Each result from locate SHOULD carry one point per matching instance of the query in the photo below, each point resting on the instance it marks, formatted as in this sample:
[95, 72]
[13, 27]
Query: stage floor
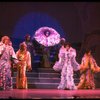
[49, 94]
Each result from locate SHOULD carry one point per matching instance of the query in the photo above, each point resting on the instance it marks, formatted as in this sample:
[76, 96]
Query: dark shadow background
[75, 18]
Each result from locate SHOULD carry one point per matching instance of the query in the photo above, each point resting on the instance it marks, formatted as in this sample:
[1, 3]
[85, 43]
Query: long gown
[70, 65]
[87, 70]
[5, 66]
[24, 65]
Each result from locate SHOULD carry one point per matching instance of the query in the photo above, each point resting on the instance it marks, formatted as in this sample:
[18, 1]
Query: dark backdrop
[75, 18]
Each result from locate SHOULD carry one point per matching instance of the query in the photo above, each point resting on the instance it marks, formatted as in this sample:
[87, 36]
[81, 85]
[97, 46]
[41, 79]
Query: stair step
[41, 85]
[44, 80]
[45, 70]
[32, 74]
[41, 80]
[43, 74]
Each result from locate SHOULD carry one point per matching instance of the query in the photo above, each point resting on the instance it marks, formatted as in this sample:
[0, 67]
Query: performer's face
[67, 47]
[28, 38]
[89, 53]
[6, 41]
[23, 48]
[47, 33]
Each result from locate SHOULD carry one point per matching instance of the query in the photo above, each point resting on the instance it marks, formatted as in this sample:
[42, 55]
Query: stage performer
[7, 54]
[24, 65]
[87, 69]
[70, 65]
[30, 47]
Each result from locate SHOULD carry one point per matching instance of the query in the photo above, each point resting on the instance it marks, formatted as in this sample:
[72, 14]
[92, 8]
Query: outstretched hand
[30, 69]
[98, 69]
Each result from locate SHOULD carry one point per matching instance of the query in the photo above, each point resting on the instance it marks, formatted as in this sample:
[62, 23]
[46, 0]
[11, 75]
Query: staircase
[44, 78]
